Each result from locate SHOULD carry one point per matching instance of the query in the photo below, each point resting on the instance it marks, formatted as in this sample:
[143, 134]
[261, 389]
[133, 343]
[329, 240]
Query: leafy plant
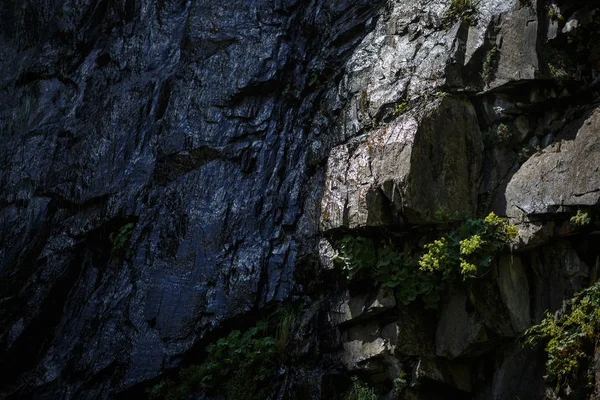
[121, 238]
[569, 337]
[497, 134]
[445, 216]
[468, 251]
[289, 90]
[360, 391]
[359, 257]
[558, 72]
[363, 104]
[465, 10]
[286, 317]
[315, 79]
[489, 65]
[554, 13]
[582, 218]
[239, 366]
[401, 381]
[400, 108]
[355, 255]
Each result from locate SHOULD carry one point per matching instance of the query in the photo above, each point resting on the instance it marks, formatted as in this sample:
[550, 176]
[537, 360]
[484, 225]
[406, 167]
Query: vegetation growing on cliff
[360, 257]
[468, 251]
[490, 64]
[465, 252]
[240, 366]
[121, 238]
[569, 337]
[497, 134]
[464, 10]
[582, 218]
[360, 391]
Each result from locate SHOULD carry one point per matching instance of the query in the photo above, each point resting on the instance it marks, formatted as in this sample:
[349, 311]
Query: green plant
[286, 317]
[554, 13]
[582, 218]
[359, 257]
[465, 10]
[489, 65]
[121, 238]
[526, 152]
[400, 108]
[497, 134]
[239, 366]
[468, 251]
[558, 72]
[314, 79]
[569, 337]
[360, 391]
[289, 90]
[401, 382]
[363, 104]
[355, 255]
[445, 216]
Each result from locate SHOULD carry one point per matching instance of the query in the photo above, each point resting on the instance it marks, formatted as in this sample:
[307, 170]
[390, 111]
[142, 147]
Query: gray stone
[514, 288]
[360, 307]
[326, 254]
[424, 161]
[449, 373]
[458, 331]
[546, 140]
[208, 125]
[517, 46]
[534, 142]
[559, 274]
[367, 345]
[190, 119]
[520, 375]
[487, 304]
[416, 332]
[565, 173]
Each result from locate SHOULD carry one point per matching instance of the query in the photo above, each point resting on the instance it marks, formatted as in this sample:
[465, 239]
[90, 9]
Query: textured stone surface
[517, 47]
[223, 135]
[564, 174]
[458, 331]
[423, 161]
[354, 308]
[452, 374]
[514, 288]
[368, 343]
[192, 120]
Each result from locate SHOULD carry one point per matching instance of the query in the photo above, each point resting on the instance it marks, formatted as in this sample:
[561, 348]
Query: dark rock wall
[190, 119]
[222, 140]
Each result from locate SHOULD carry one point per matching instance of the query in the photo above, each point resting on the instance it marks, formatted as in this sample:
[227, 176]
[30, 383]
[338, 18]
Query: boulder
[516, 44]
[368, 346]
[514, 289]
[559, 273]
[426, 160]
[454, 374]
[359, 307]
[459, 332]
[567, 173]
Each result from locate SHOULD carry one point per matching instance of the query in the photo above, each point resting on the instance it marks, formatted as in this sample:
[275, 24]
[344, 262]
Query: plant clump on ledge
[569, 338]
[462, 254]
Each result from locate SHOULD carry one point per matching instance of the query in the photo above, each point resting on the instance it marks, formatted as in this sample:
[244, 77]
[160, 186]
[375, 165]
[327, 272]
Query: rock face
[194, 122]
[425, 160]
[172, 169]
[566, 173]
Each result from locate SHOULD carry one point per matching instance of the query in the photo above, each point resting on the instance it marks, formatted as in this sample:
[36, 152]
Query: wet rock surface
[172, 170]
